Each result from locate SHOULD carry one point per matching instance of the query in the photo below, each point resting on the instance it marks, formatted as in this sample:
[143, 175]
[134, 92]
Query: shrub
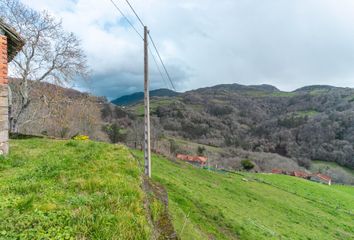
[201, 150]
[192, 130]
[115, 133]
[247, 164]
[217, 110]
[173, 146]
[304, 162]
[81, 138]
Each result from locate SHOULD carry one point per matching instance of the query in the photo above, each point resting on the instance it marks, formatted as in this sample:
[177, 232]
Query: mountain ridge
[136, 97]
[139, 96]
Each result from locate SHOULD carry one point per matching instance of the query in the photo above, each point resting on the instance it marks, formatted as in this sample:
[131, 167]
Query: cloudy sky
[286, 43]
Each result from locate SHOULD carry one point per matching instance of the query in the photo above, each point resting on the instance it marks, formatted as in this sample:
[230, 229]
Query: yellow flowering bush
[81, 138]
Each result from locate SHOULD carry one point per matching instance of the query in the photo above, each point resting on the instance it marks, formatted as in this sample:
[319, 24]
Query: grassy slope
[192, 145]
[92, 190]
[254, 206]
[138, 109]
[70, 190]
[318, 165]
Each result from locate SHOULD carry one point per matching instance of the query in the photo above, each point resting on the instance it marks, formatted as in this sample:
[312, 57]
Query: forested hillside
[271, 128]
[139, 96]
[311, 123]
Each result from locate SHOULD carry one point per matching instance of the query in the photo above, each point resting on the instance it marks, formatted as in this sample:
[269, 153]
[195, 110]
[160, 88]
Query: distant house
[318, 177]
[200, 160]
[10, 44]
[277, 171]
[321, 178]
[301, 174]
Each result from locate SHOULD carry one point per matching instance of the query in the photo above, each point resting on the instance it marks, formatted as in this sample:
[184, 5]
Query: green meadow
[86, 190]
[213, 205]
[71, 190]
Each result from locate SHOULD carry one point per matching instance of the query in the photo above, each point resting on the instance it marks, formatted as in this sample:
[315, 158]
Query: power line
[158, 68]
[130, 23]
[147, 146]
[131, 7]
[163, 64]
[153, 43]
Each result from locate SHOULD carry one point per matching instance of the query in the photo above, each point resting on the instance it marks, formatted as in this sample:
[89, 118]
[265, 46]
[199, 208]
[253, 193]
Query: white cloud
[285, 43]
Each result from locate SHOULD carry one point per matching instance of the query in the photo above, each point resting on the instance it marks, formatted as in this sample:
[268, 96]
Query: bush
[192, 130]
[304, 162]
[115, 133]
[217, 110]
[201, 150]
[81, 138]
[173, 146]
[247, 164]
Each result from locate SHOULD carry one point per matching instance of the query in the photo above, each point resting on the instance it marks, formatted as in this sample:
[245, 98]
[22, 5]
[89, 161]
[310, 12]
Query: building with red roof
[193, 159]
[321, 178]
[301, 174]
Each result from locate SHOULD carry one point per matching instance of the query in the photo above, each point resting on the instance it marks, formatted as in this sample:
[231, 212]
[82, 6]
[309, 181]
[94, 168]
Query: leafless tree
[50, 54]
[136, 137]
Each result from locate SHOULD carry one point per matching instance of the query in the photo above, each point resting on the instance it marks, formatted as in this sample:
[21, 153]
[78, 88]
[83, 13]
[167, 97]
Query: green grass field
[85, 190]
[138, 109]
[71, 190]
[253, 206]
[322, 165]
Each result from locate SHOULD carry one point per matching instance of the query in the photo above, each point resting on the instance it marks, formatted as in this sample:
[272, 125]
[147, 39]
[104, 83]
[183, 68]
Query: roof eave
[15, 41]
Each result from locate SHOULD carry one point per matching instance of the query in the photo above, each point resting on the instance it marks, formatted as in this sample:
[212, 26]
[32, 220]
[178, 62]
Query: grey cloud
[114, 84]
[285, 43]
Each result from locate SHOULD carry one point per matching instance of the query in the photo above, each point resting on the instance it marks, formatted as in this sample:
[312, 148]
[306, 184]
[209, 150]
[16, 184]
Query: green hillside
[253, 206]
[86, 190]
[71, 190]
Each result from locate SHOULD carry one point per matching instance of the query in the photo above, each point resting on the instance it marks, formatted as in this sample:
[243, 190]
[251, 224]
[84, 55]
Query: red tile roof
[277, 171]
[189, 158]
[324, 177]
[301, 174]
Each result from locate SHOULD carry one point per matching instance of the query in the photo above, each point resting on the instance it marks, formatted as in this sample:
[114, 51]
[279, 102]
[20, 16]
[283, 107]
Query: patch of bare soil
[160, 219]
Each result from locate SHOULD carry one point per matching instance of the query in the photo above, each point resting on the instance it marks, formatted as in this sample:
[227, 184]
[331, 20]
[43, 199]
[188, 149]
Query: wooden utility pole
[147, 149]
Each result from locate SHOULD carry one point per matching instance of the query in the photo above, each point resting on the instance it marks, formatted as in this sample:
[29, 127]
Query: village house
[200, 160]
[277, 171]
[321, 178]
[317, 177]
[10, 44]
[301, 174]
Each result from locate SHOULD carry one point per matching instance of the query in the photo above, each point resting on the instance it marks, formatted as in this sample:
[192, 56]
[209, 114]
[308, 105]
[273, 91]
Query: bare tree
[136, 137]
[50, 54]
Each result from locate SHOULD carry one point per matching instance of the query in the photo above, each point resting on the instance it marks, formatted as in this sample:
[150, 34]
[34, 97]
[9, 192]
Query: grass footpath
[71, 190]
[209, 205]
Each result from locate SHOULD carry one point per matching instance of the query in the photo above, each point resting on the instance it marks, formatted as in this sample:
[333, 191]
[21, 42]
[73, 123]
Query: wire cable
[152, 41]
[158, 68]
[130, 23]
[131, 7]
[163, 64]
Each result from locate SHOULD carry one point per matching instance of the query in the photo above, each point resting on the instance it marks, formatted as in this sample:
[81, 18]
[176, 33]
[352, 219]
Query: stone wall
[4, 109]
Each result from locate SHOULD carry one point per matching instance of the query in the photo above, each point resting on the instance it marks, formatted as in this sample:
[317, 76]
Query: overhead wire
[163, 64]
[126, 18]
[152, 41]
[158, 68]
[137, 16]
